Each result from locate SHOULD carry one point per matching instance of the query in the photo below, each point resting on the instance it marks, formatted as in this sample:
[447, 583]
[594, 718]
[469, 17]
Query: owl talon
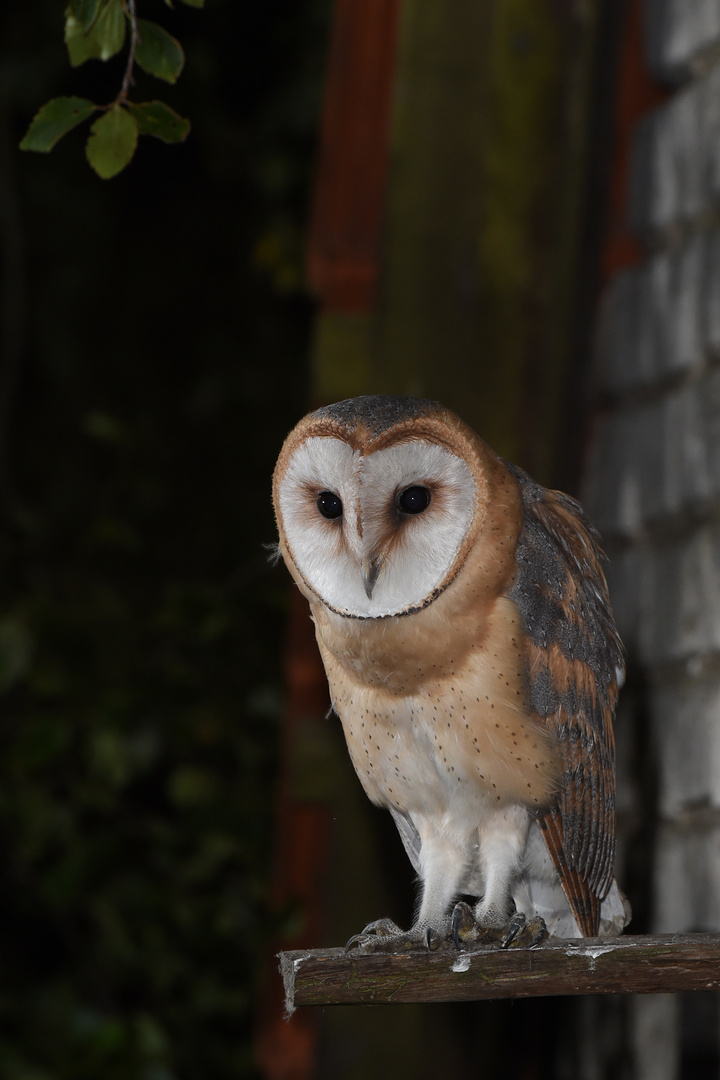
[384, 935]
[379, 930]
[433, 940]
[515, 927]
[463, 928]
[524, 933]
[519, 933]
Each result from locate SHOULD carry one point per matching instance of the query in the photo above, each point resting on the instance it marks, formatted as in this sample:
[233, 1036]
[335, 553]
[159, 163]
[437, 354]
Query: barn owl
[462, 617]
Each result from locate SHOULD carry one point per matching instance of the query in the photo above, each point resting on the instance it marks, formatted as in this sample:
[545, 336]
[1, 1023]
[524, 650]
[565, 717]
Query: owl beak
[370, 572]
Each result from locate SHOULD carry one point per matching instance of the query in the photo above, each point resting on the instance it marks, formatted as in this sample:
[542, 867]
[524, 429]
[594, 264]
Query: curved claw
[536, 931]
[384, 935]
[354, 942]
[463, 928]
[515, 926]
[523, 933]
[433, 940]
[373, 932]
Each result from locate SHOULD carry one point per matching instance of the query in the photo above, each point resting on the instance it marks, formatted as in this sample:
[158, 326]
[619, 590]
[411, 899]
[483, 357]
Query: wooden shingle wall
[653, 486]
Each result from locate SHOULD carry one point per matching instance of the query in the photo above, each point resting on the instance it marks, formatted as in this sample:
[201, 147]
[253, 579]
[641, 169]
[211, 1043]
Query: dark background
[153, 356]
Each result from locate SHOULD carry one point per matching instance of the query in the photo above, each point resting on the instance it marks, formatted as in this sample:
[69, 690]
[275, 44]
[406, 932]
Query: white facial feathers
[404, 557]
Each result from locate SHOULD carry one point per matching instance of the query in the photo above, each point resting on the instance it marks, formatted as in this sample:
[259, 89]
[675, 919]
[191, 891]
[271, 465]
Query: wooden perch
[628, 965]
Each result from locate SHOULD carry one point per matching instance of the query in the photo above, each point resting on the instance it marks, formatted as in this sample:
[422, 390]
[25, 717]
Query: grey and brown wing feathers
[409, 836]
[575, 660]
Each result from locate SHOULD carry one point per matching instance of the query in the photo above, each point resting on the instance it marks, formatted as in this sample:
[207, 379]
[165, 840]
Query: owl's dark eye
[329, 504]
[413, 500]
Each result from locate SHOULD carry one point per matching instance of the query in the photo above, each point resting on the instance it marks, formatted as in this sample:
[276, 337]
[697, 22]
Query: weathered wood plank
[628, 965]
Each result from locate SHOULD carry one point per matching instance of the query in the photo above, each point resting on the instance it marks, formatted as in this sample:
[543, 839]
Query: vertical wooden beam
[343, 255]
[637, 92]
[286, 1051]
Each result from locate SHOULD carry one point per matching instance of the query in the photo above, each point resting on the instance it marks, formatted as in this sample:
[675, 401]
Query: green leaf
[158, 119]
[159, 53]
[84, 11]
[112, 142]
[104, 38]
[54, 120]
[194, 3]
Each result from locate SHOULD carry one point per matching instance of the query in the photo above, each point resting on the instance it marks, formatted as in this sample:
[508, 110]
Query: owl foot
[384, 936]
[518, 933]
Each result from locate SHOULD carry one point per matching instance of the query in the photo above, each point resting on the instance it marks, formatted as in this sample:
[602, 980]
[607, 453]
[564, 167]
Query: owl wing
[575, 663]
[409, 835]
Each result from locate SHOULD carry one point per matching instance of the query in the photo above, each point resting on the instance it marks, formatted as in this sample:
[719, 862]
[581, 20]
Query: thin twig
[128, 80]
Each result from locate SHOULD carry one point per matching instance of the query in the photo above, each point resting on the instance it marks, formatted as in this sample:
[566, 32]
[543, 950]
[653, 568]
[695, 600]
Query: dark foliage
[154, 338]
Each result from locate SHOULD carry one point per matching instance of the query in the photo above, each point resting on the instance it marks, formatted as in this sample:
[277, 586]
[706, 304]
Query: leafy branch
[98, 30]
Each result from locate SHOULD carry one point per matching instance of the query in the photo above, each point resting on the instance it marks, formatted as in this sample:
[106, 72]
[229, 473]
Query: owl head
[378, 500]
